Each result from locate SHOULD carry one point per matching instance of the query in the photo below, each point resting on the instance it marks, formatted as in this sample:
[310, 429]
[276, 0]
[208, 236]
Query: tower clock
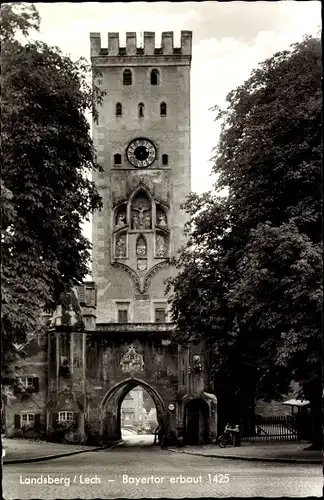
[141, 153]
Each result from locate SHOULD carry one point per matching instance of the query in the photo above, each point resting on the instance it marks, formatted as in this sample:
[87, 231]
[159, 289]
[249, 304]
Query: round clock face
[141, 153]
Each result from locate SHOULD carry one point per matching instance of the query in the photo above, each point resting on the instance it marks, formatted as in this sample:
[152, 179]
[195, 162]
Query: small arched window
[165, 159]
[127, 77]
[119, 109]
[117, 159]
[141, 110]
[155, 77]
[163, 109]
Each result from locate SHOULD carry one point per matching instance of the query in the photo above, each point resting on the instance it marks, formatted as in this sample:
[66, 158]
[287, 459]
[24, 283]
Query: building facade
[132, 409]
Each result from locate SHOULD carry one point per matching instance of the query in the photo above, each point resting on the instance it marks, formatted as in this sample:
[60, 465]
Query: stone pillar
[149, 43]
[167, 42]
[95, 44]
[186, 42]
[131, 43]
[113, 44]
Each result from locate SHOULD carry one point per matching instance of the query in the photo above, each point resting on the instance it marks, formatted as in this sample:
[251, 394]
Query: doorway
[197, 422]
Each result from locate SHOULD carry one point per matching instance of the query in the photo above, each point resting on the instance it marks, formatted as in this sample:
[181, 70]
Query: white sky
[229, 40]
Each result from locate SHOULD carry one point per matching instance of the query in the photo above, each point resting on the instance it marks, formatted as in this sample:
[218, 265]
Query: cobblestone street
[134, 472]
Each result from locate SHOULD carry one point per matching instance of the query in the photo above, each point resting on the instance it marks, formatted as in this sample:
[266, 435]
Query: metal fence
[272, 429]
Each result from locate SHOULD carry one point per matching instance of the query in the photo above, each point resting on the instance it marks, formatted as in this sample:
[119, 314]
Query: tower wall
[166, 186]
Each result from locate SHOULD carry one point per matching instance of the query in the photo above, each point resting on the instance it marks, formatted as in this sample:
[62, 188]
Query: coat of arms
[131, 360]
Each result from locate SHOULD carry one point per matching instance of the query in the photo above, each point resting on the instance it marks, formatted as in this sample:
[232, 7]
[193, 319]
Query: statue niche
[161, 219]
[141, 213]
[121, 218]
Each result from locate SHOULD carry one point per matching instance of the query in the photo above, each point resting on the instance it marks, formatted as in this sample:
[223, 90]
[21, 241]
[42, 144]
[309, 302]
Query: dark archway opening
[196, 422]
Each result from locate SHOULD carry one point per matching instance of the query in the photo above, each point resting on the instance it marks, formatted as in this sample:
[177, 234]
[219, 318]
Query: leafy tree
[250, 277]
[47, 154]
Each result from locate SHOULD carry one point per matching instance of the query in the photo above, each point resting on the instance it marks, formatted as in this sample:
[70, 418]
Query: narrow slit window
[165, 159]
[163, 109]
[155, 77]
[127, 77]
[119, 109]
[117, 159]
[141, 110]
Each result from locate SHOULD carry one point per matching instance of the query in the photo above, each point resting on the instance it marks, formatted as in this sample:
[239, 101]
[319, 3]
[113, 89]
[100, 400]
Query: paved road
[160, 473]
[131, 439]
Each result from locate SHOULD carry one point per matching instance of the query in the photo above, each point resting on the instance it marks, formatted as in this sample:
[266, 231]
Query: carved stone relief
[151, 273]
[141, 213]
[141, 264]
[131, 273]
[141, 247]
[132, 361]
[161, 246]
[120, 250]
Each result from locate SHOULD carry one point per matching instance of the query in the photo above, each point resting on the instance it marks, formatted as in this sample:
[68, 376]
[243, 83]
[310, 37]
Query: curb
[255, 459]
[59, 455]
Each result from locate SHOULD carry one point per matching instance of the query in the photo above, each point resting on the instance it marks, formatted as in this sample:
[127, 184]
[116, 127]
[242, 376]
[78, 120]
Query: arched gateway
[109, 409]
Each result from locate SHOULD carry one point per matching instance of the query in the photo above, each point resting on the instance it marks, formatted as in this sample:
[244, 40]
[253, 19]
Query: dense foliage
[47, 154]
[250, 278]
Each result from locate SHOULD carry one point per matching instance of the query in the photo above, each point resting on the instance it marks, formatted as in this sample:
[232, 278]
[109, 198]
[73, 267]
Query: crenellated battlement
[149, 49]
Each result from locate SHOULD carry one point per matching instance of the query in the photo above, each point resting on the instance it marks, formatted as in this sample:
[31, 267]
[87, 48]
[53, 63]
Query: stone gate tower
[143, 143]
[113, 334]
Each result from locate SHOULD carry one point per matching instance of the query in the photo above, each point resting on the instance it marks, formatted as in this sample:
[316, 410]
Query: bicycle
[224, 440]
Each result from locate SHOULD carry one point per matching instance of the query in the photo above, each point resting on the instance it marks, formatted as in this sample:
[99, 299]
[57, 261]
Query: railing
[272, 429]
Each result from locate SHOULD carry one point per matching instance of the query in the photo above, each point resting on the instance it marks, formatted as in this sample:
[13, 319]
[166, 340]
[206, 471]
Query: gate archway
[109, 410]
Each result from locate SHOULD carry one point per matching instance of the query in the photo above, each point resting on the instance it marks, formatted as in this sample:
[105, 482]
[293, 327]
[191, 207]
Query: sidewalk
[25, 450]
[292, 452]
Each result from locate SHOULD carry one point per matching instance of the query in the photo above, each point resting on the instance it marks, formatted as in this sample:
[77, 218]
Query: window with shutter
[36, 384]
[17, 421]
[37, 423]
[27, 420]
[54, 419]
[76, 418]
